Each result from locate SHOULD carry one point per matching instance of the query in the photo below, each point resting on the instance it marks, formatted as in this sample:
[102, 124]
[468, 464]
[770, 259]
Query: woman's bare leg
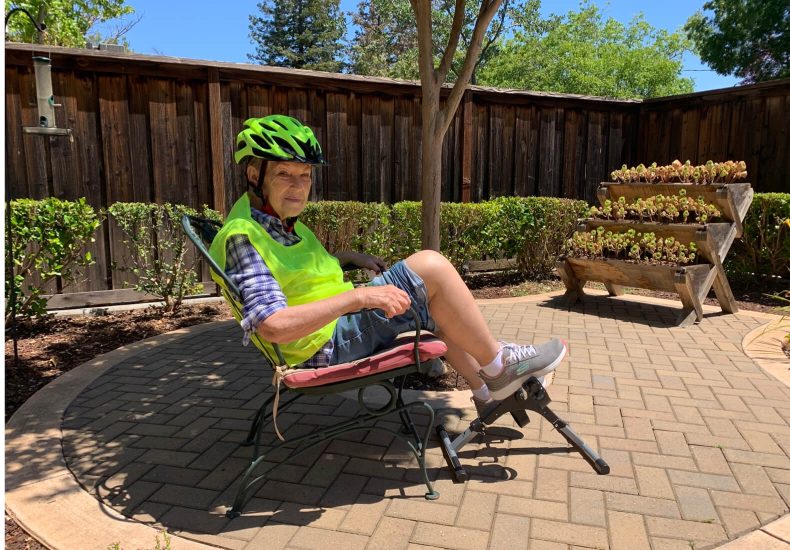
[462, 362]
[455, 312]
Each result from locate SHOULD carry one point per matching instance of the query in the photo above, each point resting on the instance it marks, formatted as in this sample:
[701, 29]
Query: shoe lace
[520, 353]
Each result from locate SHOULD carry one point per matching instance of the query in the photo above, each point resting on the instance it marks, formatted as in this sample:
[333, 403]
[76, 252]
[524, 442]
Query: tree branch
[422, 12]
[452, 44]
[487, 11]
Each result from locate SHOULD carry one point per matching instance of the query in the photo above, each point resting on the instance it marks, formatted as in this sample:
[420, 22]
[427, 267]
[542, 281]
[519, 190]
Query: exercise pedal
[530, 396]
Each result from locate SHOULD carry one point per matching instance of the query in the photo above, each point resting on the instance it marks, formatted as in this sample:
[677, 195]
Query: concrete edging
[42, 495]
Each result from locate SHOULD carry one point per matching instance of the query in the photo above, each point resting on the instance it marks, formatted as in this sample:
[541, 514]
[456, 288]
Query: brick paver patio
[697, 435]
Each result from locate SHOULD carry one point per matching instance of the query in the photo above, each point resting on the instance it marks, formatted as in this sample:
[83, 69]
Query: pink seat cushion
[400, 355]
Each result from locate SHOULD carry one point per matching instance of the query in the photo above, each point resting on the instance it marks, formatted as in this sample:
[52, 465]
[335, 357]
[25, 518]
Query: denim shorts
[363, 333]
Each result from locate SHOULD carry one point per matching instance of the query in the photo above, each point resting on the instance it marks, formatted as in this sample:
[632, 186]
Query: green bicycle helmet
[278, 138]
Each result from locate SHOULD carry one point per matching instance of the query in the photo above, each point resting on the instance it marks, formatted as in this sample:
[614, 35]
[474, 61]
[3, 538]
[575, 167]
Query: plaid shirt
[260, 291]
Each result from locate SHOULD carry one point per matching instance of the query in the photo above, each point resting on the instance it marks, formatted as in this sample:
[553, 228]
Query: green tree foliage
[385, 43]
[583, 53]
[71, 23]
[747, 38]
[303, 34]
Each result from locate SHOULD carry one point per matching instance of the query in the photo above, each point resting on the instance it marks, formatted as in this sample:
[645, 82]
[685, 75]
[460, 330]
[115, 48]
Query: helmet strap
[258, 187]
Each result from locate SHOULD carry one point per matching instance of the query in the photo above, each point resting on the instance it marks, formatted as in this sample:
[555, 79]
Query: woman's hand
[364, 261]
[388, 298]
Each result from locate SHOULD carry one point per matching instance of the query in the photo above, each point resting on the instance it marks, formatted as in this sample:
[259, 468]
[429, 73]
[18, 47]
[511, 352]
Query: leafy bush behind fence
[45, 239]
[157, 249]
[764, 248]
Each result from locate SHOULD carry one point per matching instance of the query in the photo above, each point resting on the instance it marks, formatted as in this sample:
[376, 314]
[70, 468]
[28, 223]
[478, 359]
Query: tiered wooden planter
[691, 282]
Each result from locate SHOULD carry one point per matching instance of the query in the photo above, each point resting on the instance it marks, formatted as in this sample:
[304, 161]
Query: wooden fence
[149, 128]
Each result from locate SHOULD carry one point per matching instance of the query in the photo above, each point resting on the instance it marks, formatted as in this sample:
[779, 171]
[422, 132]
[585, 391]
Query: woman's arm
[361, 260]
[296, 322]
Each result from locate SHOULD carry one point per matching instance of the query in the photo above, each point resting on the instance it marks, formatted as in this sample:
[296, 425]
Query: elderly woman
[293, 290]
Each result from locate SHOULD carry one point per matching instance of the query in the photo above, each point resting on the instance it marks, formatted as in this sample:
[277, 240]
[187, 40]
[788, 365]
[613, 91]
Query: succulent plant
[677, 172]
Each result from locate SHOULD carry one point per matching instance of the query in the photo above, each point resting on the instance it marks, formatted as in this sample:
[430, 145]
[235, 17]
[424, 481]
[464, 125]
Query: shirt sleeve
[261, 294]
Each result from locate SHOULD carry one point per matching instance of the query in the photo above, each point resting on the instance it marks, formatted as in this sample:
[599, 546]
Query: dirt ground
[51, 346]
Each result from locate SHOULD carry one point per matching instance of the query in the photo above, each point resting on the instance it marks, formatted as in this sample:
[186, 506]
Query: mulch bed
[51, 346]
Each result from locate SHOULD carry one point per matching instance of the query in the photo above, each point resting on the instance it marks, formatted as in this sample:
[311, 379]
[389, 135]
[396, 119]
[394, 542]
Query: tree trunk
[431, 174]
[431, 180]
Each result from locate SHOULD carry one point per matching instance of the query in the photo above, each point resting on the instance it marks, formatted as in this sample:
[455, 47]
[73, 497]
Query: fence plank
[317, 121]
[550, 162]
[527, 137]
[89, 183]
[116, 153]
[480, 182]
[596, 150]
[573, 154]
[140, 139]
[386, 143]
[258, 102]
[337, 123]
[202, 149]
[183, 189]
[15, 161]
[689, 140]
[371, 152]
[164, 147]
[218, 161]
[404, 156]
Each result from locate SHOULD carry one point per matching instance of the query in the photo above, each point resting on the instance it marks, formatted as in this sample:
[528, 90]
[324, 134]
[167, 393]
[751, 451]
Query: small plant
[784, 311]
[157, 249]
[658, 209]
[157, 544]
[677, 172]
[47, 242]
[631, 246]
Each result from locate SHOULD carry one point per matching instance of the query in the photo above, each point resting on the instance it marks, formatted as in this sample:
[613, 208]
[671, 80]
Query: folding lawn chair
[388, 369]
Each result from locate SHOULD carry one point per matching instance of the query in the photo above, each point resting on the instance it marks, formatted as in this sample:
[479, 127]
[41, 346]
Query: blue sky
[218, 31]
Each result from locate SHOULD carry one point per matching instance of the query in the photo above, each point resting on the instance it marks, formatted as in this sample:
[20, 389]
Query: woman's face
[286, 186]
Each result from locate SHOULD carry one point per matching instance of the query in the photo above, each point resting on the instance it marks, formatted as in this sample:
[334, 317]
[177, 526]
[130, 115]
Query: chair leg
[260, 418]
[365, 422]
[422, 445]
[407, 425]
[256, 423]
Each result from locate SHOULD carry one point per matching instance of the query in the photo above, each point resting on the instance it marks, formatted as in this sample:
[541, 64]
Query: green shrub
[532, 229]
[47, 240]
[349, 225]
[553, 222]
[764, 248]
[157, 249]
[405, 236]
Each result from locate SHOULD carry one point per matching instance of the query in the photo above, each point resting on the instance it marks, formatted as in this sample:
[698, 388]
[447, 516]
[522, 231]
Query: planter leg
[721, 286]
[692, 307]
[614, 290]
[574, 287]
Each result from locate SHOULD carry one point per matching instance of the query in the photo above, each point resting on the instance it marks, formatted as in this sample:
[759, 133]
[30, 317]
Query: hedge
[49, 238]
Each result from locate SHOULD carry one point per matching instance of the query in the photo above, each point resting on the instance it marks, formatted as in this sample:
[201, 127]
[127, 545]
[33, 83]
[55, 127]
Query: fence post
[466, 169]
[218, 159]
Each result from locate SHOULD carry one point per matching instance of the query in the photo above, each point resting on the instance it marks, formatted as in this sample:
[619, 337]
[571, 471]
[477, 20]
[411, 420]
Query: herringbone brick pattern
[698, 438]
